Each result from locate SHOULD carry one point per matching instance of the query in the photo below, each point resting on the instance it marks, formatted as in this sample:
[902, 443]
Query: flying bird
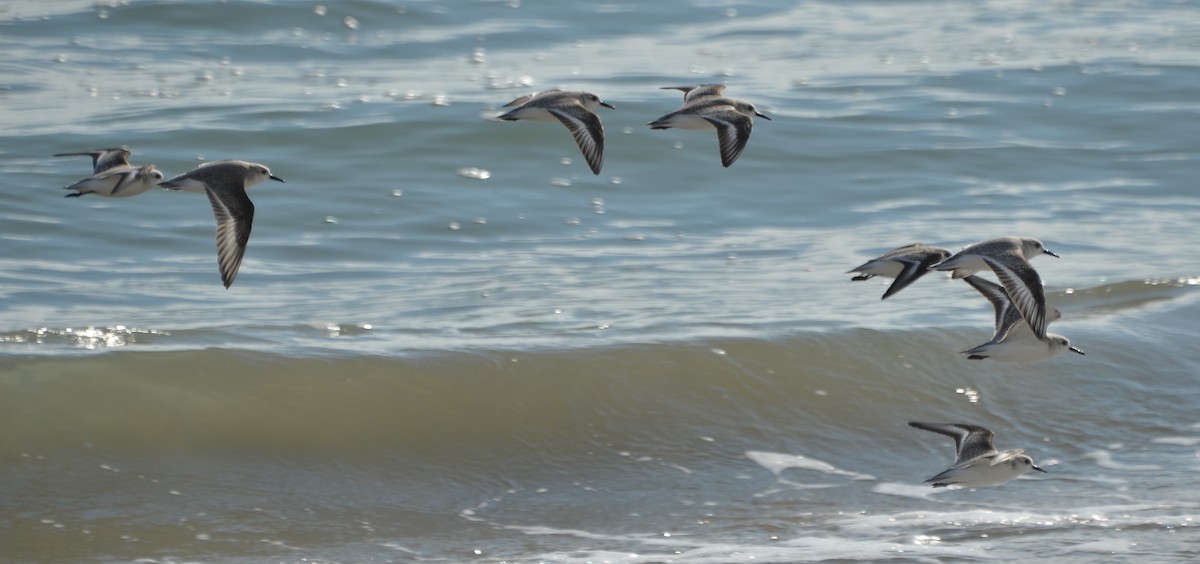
[705, 108]
[906, 264]
[1013, 340]
[117, 182]
[575, 110]
[225, 183]
[976, 462]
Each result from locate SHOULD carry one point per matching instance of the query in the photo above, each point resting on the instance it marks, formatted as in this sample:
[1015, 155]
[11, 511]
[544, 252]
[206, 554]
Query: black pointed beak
[1051, 253]
[607, 105]
[275, 178]
[1040, 470]
[762, 115]
[1077, 351]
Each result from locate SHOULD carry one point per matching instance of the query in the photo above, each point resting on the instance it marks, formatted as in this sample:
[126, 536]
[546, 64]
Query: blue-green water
[662, 362]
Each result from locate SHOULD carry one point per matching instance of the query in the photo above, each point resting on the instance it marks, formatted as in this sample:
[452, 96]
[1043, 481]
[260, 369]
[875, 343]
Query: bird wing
[129, 178]
[733, 132]
[587, 130]
[518, 101]
[970, 441]
[1006, 315]
[1024, 288]
[697, 91]
[915, 266]
[234, 213]
[103, 159]
[1005, 456]
[976, 443]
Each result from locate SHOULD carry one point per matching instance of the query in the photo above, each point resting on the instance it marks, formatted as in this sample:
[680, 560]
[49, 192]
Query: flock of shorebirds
[704, 108]
[1021, 314]
[1019, 301]
[1021, 320]
[225, 183]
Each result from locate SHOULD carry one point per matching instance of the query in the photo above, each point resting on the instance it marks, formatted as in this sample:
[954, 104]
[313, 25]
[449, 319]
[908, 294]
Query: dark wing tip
[731, 139]
[588, 132]
[909, 274]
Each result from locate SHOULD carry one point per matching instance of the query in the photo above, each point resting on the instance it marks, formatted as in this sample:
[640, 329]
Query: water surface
[450, 342]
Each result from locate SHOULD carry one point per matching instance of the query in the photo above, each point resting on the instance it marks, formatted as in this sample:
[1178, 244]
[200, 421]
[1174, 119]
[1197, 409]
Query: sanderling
[976, 462]
[226, 182]
[118, 182]
[1013, 340]
[103, 159]
[704, 108]
[576, 110]
[906, 264]
[969, 259]
[1008, 258]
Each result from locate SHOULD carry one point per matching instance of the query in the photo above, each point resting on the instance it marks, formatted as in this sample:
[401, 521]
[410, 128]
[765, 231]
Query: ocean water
[450, 342]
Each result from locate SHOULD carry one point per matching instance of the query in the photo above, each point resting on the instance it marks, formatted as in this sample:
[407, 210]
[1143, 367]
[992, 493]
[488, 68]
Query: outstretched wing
[1024, 288]
[697, 91]
[733, 132]
[234, 213]
[970, 441]
[585, 127]
[103, 159]
[1005, 313]
[915, 266]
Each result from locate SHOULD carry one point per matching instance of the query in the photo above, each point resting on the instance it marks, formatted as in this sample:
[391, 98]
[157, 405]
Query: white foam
[1104, 459]
[803, 548]
[1177, 441]
[906, 490]
[907, 535]
[777, 462]
[1104, 546]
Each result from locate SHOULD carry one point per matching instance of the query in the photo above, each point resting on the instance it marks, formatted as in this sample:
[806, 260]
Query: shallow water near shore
[449, 341]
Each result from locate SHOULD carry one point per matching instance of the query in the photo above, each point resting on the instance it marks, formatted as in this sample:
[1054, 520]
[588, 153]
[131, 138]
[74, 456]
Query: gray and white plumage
[103, 159]
[705, 108]
[1008, 258]
[117, 182]
[1013, 340]
[905, 264]
[575, 110]
[694, 92]
[969, 259]
[976, 462]
[225, 183]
